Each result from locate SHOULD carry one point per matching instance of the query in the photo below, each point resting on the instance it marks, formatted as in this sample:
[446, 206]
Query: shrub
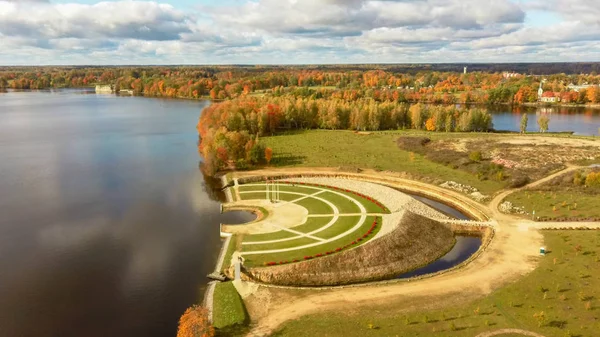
[414, 144]
[194, 323]
[593, 179]
[518, 181]
[475, 156]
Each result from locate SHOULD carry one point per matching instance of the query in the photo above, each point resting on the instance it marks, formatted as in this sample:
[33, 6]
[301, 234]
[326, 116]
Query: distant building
[540, 91]
[465, 70]
[507, 74]
[578, 88]
[550, 97]
[104, 89]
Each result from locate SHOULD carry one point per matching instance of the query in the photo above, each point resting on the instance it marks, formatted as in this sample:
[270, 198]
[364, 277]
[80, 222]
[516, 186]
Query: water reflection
[107, 224]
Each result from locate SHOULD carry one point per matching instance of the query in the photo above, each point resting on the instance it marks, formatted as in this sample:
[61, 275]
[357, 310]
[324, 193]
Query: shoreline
[207, 98]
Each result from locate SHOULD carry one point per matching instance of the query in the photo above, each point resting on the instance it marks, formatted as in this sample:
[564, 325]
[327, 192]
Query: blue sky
[297, 31]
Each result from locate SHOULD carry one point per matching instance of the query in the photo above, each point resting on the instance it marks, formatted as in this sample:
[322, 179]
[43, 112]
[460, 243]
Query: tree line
[230, 131]
[381, 83]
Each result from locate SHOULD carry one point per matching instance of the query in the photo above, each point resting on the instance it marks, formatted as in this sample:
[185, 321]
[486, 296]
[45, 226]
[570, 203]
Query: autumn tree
[418, 114]
[524, 121]
[268, 155]
[194, 323]
[543, 122]
[430, 124]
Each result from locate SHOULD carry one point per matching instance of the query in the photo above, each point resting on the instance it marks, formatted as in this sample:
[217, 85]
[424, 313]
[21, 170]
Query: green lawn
[233, 242]
[343, 224]
[301, 241]
[253, 196]
[564, 287]
[312, 224]
[228, 307]
[268, 236]
[282, 188]
[378, 150]
[315, 206]
[369, 205]
[248, 188]
[561, 204]
[262, 259]
[343, 204]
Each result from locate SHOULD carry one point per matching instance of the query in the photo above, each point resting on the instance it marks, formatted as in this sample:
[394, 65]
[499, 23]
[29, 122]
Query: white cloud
[296, 31]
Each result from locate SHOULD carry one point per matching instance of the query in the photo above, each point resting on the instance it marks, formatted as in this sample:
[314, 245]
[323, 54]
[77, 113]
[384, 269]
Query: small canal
[464, 248]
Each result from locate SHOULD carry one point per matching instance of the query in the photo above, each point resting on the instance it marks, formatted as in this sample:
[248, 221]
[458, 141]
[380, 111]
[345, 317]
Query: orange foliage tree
[194, 323]
[430, 124]
[268, 155]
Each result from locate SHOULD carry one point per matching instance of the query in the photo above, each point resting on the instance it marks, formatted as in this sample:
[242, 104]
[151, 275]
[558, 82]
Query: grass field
[378, 150]
[560, 298]
[561, 204]
[262, 259]
[228, 307]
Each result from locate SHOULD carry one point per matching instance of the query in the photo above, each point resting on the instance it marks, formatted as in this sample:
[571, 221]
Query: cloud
[297, 31]
[336, 18]
[127, 19]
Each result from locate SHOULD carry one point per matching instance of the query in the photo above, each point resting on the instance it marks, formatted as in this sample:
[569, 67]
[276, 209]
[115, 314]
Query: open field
[566, 197]
[557, 205]
[564, 288]
[445, 158]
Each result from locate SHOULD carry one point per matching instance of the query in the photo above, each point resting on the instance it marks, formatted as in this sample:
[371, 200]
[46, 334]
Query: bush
[593, 179]
[475, 156]
[518, 181]
[194, 323]
[414, 144]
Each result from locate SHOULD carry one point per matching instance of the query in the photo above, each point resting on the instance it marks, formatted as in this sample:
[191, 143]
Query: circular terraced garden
[333, 219]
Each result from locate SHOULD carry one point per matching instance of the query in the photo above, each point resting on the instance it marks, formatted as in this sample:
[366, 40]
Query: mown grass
[228, 307]
[343, 224]
[564, 288]
[253, 196]
[233, 243]
[301, 241]
[378, 150]
[268, 236]
[312, 224]
[315, 206]
[282, 188]
[559, 204]
[262, 259]
[369, 205]
[343, 204]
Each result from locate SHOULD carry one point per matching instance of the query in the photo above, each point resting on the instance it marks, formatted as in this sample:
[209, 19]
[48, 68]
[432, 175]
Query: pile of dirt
[416, 242]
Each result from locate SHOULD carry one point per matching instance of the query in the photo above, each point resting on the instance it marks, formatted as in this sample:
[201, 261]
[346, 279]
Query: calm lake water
[106, 226]
[580, 120]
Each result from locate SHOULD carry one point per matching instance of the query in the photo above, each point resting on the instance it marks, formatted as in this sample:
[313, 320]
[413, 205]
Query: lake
[580, 120]
[107, 227]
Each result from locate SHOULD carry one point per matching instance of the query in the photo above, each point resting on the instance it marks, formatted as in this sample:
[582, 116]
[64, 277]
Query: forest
[382, 83]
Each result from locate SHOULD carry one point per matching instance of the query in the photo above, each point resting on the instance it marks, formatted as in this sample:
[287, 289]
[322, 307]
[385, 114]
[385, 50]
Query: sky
[89, 32]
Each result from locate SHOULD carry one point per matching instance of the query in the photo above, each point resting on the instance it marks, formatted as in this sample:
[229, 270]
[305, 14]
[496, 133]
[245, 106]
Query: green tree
[524, 121]
[543, 122]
